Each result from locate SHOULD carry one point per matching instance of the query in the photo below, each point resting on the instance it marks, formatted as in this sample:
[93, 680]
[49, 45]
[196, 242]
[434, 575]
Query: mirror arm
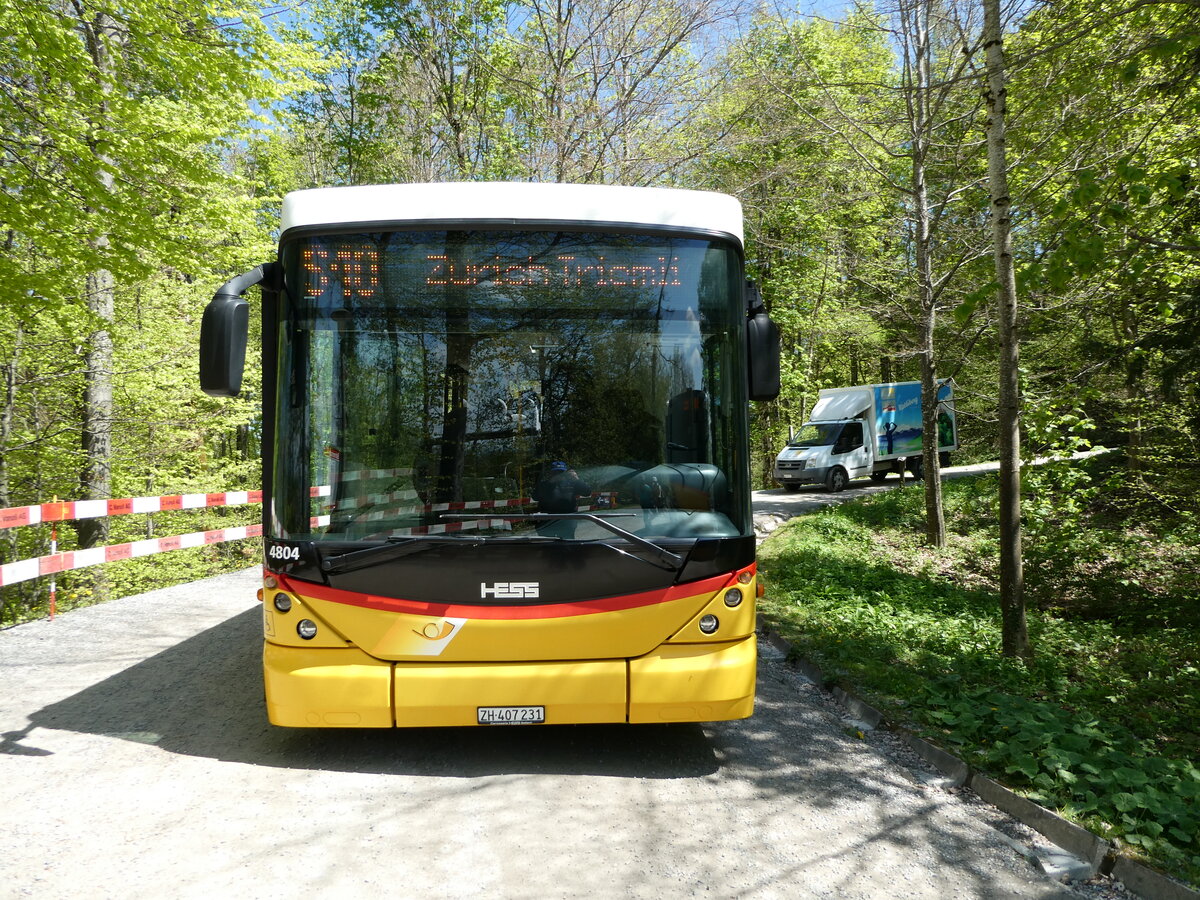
[754, 299]
[268, 275]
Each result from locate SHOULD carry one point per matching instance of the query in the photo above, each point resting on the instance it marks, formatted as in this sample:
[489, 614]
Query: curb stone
[865, 713]
[1085, 854]
[955, 770]
[1145, 882]
[1053, 861]
[1071, 837]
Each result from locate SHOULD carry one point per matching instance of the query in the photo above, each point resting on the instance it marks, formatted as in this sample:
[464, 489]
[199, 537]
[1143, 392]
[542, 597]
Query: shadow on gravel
[818, 811]
[203, 697]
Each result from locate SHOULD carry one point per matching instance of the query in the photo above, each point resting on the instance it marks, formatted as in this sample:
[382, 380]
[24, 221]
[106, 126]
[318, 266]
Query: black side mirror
[762, 347]
[223, 346]
[223, 333]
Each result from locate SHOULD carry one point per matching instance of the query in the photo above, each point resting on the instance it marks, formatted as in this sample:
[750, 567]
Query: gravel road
[775, 506]
[137, 762]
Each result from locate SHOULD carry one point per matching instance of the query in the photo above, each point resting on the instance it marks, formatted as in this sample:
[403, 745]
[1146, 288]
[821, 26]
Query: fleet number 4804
[283, 552]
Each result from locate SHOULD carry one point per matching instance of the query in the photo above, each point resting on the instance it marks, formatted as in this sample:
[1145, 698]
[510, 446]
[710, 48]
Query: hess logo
[509, 590]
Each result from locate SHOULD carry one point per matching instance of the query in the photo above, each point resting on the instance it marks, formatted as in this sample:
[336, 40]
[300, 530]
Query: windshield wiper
[669, 560]
[395, 548]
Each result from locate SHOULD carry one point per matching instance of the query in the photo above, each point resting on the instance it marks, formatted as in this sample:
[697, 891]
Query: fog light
[283, 602]
[745, 577]
[307, 629]
[733, 597]
[708, 624]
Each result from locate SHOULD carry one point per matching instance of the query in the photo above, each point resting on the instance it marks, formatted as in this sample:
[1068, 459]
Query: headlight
[733, 597]
[283, 602]
[709, 624]
[307, 629]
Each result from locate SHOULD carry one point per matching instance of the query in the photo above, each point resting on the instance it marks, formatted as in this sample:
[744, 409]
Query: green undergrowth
[1101, 725]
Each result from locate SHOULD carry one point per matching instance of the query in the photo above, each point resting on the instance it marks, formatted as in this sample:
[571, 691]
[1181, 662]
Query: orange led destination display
[357, 270]
[566, 271]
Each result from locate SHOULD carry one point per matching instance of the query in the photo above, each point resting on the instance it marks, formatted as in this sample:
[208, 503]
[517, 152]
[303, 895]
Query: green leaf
[1124, 802]
[966, 308]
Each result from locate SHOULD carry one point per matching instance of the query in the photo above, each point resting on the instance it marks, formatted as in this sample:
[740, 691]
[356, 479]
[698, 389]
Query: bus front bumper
[346, 688]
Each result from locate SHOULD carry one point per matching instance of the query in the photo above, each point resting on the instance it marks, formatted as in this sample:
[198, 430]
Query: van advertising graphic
[898, 419]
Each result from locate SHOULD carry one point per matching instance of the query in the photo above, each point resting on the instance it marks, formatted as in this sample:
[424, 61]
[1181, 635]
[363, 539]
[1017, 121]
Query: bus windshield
[470, 382]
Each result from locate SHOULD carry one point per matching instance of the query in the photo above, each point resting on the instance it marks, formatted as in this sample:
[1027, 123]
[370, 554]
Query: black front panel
[468, 573]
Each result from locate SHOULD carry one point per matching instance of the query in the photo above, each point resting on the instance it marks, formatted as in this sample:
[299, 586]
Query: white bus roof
[513, 202]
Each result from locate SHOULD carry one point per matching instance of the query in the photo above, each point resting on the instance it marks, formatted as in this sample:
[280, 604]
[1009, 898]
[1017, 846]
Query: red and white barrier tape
[69, 510]
[361, 500]
[394, 511]
[93, 509]
[470, 504]
[11, 573]
[363, 474]
[26, 569]
[447, 528]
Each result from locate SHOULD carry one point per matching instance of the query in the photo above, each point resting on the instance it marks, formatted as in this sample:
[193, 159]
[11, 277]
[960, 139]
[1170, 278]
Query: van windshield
[823, 434]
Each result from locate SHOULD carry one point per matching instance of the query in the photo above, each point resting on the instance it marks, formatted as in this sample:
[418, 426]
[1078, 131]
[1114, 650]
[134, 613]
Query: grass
[1102, 724]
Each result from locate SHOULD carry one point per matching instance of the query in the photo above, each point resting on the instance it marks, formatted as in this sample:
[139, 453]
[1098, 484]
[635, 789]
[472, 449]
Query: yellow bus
[505, 454]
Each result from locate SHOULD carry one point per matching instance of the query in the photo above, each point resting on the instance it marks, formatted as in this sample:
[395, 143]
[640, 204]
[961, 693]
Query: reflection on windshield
[816, 436]
[427, 373]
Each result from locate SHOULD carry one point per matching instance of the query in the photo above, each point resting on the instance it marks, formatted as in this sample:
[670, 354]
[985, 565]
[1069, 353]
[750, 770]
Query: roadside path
[775, 506]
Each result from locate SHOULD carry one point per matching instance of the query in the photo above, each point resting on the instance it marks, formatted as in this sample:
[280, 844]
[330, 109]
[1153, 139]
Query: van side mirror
[223, 333]
[762, 347]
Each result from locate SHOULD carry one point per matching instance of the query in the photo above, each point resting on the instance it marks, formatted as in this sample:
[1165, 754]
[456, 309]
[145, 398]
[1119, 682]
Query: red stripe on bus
[546, 611]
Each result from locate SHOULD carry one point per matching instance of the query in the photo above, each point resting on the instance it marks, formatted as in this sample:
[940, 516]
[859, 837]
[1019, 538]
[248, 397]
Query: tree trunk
[935, 520]
[1015, 634]
[456, 382]
[96, 477]
[8, 536]
[6, 417]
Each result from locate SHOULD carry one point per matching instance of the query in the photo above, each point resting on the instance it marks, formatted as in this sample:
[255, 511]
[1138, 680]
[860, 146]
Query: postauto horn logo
[435, 632]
